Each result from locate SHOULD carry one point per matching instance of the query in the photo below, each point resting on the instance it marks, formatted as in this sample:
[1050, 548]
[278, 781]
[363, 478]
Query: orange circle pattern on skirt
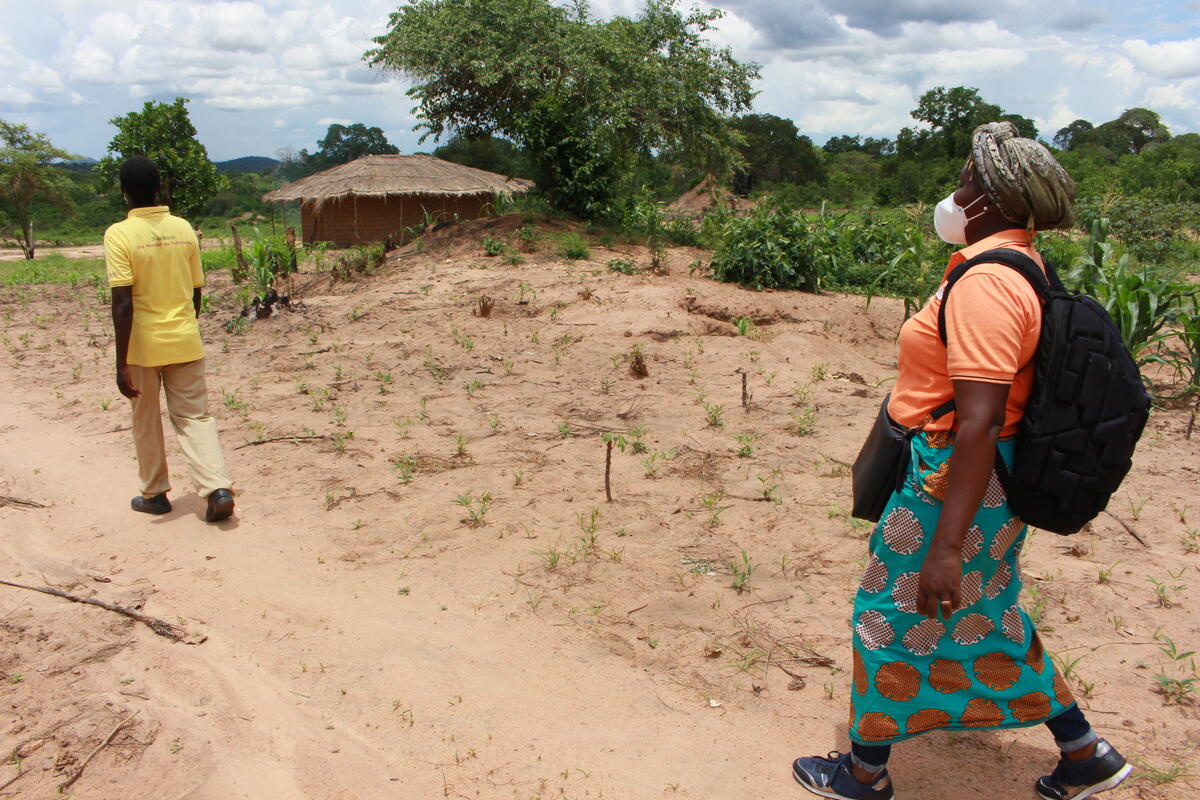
[1062, 692]
[1035, 656]
[948, 676]
[926, 720]
[860, 674]
[1030, 707]
[877, 727]
[997, 671]
[981, 713]
[898, 681]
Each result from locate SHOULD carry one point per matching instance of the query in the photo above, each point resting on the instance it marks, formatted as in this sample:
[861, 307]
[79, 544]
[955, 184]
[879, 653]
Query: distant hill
[248, 164]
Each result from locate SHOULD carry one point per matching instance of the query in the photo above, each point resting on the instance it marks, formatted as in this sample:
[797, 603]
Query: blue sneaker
[1075, 780]
[832, 777]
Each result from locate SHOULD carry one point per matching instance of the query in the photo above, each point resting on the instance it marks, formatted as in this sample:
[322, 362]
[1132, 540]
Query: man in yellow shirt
[153, 261]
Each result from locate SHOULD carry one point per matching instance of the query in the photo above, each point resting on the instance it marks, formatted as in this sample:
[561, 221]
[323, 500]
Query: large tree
[345, 143]
[952, 114]
[1070, 136]
[586, 98]
[774, 152]
[164, 132]
[28, 175]
[486, 152]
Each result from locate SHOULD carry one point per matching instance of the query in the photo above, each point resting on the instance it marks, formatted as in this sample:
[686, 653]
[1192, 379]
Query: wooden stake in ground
[161, 627]
[608, 469]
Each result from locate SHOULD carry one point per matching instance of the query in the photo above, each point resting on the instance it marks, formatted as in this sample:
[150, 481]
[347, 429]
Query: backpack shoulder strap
[1021, 263]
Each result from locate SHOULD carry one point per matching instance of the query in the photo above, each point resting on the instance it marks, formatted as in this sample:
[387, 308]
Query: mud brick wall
[363, 220]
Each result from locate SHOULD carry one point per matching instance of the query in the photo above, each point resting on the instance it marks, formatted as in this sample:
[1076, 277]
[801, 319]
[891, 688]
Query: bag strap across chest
[1043, 284]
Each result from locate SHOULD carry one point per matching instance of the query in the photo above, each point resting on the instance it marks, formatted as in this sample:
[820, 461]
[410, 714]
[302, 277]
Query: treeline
[1155, 175]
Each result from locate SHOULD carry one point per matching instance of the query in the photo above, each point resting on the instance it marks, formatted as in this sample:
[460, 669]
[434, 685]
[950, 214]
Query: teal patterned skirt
[982, 668]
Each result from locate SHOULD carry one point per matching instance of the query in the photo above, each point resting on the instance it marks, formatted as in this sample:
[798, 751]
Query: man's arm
[196, 301]
[122, 317]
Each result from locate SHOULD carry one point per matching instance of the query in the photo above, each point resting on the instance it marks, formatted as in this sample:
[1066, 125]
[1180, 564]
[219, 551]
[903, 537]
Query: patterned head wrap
[1022, 177]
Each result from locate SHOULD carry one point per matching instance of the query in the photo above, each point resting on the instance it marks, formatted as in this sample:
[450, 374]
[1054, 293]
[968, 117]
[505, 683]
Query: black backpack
[1086, 411]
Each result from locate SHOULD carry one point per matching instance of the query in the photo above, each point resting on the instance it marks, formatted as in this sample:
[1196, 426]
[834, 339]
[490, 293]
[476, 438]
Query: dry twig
[1128, 527]
[292, 438]
[62, 787]
[161, 627]
[17, 502]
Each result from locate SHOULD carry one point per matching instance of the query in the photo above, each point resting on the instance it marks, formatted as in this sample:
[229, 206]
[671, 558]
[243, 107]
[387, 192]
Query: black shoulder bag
[883, 461]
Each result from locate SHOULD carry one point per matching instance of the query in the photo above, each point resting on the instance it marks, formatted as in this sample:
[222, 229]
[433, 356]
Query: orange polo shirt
[992, 326]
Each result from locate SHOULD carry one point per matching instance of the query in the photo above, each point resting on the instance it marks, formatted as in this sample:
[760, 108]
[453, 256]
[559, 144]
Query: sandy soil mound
[425, 594]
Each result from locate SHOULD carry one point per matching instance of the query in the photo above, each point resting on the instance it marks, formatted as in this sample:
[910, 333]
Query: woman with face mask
[940, 640]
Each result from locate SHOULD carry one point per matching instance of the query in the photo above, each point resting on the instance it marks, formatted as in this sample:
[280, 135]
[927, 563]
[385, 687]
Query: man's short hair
[140, 179]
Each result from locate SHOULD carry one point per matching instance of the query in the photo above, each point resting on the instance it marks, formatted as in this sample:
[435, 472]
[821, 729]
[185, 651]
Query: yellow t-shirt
[157, 254]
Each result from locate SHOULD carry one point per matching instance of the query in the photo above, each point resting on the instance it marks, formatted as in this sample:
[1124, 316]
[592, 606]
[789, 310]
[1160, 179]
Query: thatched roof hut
[378, 197]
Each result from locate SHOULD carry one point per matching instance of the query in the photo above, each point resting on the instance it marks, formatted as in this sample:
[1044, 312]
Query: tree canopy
[345, 143]
[27, 175]
[487, 152]
[952, 114]
[586, 99]
[164, 133]
[1130, 133]
[773, 151]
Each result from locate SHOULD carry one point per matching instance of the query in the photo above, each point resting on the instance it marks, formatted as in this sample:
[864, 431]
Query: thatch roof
[381, 176]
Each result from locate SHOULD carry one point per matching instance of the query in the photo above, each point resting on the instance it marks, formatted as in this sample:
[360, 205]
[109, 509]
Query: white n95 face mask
[950, 219]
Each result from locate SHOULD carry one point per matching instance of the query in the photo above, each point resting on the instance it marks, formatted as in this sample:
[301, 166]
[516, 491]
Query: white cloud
[1180, 59]
[236, 26]
[227, 55]
[1179, 96]
[15, 94]
[833, 66]
[325, 122]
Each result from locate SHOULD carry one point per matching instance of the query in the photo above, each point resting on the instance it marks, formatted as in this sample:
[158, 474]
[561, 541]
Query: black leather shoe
[220, 505]
[158, 504]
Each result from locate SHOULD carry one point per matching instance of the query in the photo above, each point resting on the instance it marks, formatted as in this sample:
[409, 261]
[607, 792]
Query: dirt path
[363, 640]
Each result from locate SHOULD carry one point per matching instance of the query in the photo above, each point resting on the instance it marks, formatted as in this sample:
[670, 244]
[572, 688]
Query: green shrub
[1060, 249]
[1152, 229]
[492, 246]
[572, 246]
[1143, 300]
[622, 265]
[357, 261]
[770, 248]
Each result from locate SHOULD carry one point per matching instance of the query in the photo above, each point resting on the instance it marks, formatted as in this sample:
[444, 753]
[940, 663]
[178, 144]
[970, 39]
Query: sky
[263, 75]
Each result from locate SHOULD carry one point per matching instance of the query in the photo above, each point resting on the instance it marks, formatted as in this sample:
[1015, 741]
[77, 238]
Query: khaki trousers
[187, 406]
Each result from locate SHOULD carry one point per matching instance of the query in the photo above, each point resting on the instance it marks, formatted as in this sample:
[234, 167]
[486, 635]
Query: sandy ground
[364, 639]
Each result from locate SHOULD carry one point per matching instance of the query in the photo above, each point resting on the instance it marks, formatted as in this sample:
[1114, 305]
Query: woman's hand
[941, 578]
